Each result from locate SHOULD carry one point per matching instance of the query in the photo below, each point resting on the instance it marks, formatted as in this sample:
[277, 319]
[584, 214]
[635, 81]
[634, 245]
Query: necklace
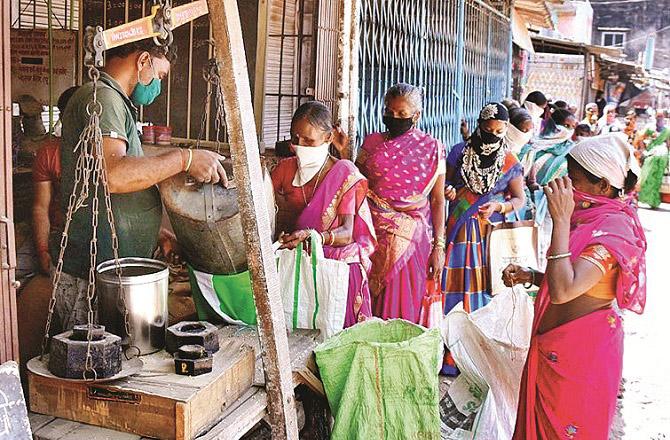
[318, 177]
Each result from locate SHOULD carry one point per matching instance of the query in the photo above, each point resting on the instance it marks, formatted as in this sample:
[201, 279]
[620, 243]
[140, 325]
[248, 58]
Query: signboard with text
[30, 62]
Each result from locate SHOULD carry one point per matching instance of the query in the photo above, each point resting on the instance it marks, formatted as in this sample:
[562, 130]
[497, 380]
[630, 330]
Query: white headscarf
[608, 156]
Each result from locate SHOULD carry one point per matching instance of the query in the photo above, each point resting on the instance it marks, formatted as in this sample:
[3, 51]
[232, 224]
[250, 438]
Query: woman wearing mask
[480, 172]
[327, 195]
[547, 161]
[536, 104]
[608, 123]
[573, 370]
[520, 129]
[591, 116]
[547, 154]
[405, 168]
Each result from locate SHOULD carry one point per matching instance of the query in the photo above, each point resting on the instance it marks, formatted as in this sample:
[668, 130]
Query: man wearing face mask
[132, 78]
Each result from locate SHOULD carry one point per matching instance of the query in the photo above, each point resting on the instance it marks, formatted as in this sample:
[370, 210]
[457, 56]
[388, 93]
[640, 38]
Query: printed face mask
[397, 126]
[490, 142]
[145, 94]
[310, 162]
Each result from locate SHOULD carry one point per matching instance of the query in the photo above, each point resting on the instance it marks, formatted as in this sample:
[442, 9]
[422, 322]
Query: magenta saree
[345, 186]
[401, 173]
[572, 374]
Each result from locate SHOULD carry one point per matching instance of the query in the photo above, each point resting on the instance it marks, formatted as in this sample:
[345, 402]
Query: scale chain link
[90, 166]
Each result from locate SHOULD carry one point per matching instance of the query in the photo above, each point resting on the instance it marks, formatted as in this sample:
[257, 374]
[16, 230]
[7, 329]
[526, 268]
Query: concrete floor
[645, 407]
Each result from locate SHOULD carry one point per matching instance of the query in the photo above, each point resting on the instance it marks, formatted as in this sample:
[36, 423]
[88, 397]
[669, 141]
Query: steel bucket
[145, 285]
[207, 222]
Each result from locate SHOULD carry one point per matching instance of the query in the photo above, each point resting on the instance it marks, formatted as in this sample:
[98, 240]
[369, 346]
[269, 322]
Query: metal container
[207, 221]
[145, 285]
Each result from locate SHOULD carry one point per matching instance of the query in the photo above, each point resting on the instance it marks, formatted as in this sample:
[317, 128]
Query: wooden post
[9, 341]
[346, 104]
[227, 33]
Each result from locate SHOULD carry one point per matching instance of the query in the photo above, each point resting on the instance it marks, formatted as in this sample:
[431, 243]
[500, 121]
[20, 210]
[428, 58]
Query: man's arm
[41, 223]
[127, 174]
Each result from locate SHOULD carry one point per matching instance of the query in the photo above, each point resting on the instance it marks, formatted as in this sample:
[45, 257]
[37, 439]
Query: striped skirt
[466, 273]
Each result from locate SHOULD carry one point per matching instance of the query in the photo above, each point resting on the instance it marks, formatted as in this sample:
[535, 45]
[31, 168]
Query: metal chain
[220, 116]
[90, 167]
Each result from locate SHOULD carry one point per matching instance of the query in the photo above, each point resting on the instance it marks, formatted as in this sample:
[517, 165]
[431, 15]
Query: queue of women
[387, 217]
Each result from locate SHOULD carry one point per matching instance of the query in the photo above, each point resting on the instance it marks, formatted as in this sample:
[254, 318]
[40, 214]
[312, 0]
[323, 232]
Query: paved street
[645, 412]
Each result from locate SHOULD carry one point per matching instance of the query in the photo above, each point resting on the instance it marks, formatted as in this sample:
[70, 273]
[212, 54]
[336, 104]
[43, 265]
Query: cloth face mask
[310, 162]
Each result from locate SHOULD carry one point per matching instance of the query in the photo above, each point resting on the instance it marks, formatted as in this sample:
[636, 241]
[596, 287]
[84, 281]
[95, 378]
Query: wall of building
[636, 19]
[576, 22]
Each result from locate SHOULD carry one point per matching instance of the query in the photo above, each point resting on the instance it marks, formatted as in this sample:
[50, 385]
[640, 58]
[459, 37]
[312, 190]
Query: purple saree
[343, 191]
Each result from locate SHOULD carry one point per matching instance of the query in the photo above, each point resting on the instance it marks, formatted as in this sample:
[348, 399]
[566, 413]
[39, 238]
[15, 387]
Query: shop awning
[542, 43]
[520, 34]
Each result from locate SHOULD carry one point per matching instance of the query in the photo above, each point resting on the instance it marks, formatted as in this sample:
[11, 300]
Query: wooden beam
[9, 341]
[227, 35]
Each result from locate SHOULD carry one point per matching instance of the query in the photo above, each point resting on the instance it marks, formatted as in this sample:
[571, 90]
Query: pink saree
[345, 185]
[401, 172]
[572, 374]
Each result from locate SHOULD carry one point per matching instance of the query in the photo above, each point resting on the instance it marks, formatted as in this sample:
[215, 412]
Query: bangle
[440, 243]
[559, 256]
[323, 239]
[532, 283]
[332, 238]
[190, 159]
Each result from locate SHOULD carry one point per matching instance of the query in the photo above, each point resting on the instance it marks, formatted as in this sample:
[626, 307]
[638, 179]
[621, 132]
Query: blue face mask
[146, 94]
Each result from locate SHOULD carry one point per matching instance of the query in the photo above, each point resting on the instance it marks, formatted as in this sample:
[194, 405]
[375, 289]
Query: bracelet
[190, 159]
[532, 283]
[323, 239]
[332, 238]
[440, 243]
[559, 256]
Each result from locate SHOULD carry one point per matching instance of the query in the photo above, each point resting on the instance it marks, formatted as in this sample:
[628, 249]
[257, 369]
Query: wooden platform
[160, 404]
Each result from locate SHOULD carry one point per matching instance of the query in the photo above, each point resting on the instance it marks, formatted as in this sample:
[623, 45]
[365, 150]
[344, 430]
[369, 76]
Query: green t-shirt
[137, 215]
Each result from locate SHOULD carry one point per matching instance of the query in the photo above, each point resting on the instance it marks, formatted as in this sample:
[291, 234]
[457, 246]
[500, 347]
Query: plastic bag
[381, 380]
[489, 347]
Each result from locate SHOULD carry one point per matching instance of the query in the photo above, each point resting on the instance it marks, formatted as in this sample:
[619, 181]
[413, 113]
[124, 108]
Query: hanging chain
[212, 77]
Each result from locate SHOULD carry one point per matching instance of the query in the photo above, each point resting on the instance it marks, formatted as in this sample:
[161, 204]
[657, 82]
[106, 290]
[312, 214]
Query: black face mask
[489, 138]
[397, 126]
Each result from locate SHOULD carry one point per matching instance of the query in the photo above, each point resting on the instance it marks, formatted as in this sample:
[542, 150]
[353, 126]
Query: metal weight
[69, 352]
[192, 333]
[192, 360]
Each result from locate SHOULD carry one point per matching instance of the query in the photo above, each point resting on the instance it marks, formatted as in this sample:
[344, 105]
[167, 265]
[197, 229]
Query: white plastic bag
[314, 289]
[489, 347]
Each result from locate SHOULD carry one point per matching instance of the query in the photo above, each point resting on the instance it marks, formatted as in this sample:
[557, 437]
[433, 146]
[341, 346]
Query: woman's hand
[341, 142]
[450, 193]
[291, 241]
[436, 264]
[560, 199]
[513, 275]
[488, 209]
[465, 130]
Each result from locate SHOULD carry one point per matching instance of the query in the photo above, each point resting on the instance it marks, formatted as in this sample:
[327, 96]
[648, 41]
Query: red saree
[572, 374]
